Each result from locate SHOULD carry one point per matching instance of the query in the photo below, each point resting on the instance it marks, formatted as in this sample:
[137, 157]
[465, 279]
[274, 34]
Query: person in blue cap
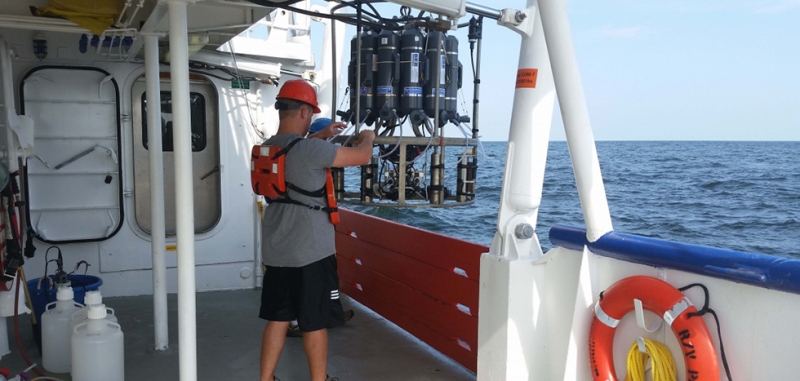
[324, 128]
[318, 125]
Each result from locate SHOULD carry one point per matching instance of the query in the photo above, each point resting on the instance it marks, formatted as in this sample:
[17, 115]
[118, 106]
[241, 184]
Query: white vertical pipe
[325, 94]
[576, 118]
[529, 135]
[511, 328]
[325, 77]
[8, 101]
[158, 226]
[184, 195]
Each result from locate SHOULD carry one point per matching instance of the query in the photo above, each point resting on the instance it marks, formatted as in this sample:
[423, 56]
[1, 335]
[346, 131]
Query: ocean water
[737, 195]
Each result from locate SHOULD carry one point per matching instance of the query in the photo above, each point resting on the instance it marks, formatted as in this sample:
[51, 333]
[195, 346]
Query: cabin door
[205, 155]
[72, 179]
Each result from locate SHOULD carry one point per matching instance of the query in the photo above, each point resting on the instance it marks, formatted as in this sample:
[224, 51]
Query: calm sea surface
[737, 195]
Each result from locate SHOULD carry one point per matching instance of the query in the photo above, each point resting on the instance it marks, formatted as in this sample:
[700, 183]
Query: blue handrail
[760, 270]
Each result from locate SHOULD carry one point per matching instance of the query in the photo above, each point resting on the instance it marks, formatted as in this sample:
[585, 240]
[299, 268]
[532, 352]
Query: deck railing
[760, 270]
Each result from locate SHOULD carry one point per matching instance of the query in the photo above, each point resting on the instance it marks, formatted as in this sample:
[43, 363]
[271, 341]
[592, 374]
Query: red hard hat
[299, 90]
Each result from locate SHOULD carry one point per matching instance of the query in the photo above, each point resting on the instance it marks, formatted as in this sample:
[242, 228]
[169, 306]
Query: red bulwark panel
[424, 282]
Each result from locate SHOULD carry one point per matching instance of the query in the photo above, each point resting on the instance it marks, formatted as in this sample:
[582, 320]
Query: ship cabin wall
[226, 250]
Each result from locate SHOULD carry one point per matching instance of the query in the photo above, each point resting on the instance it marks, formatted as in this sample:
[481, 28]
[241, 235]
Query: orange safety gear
[268, 178]
[666, 301]
[299, 90]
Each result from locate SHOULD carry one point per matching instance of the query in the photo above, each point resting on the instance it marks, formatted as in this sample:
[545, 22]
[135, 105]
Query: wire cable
[422, 153]
[396, 146]
[342, 18]
[244, 94]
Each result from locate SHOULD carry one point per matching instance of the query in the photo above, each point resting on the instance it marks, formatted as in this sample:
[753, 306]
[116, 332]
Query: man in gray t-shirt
[298, 247]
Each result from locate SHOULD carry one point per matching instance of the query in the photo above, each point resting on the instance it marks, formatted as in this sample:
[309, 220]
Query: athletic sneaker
[294, 329]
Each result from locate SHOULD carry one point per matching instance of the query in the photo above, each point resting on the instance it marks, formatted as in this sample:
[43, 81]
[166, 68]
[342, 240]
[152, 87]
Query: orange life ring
[659, 297]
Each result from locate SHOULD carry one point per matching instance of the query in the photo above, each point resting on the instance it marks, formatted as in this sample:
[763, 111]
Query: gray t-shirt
[293, 235]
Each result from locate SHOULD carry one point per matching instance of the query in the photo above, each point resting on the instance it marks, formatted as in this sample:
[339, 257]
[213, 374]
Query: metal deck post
[184, 194]
[158, 230]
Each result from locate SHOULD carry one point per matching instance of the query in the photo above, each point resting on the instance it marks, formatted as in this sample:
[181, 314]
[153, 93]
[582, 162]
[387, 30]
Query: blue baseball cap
[319, 124]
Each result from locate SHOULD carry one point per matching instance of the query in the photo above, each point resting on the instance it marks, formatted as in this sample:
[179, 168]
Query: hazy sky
[662, 70]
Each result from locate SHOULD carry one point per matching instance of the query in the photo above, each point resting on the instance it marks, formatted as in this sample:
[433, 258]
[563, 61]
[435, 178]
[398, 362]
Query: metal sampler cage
[404, 76]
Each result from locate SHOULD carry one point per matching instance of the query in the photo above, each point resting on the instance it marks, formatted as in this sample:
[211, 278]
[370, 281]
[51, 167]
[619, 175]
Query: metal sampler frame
[357, 198]
[436, 194]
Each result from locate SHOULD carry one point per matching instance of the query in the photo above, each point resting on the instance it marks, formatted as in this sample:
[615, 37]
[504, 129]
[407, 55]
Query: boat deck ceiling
[219, 20]
[229, 343]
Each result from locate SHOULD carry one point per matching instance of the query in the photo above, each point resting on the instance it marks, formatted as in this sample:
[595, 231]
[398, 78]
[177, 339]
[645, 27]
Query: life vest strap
[286, 149]
[316, 194]
[295, 202]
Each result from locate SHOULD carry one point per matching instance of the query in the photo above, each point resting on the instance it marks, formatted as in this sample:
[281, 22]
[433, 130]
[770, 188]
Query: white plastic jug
[98, 349]
[91, 298]
[55, 331]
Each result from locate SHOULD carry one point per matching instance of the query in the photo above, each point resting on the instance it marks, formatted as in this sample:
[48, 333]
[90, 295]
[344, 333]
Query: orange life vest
[268, 177]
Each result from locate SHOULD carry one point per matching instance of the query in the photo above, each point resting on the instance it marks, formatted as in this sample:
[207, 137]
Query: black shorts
[308, 294]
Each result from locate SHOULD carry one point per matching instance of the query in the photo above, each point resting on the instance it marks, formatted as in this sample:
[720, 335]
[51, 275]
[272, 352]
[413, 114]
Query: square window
[197, 110]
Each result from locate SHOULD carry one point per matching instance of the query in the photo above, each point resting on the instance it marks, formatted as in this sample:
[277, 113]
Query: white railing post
[10, 108]
[184, 194]
[158, 226]
[326, 76]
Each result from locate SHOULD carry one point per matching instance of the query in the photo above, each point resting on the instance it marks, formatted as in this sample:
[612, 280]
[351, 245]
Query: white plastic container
[90, 299]
[56, 356]
[98, 349]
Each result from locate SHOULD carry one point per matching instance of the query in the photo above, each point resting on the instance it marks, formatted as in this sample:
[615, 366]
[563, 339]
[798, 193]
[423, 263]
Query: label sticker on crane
[526, 78]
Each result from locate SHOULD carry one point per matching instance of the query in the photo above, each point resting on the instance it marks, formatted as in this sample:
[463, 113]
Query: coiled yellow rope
[663, 366]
